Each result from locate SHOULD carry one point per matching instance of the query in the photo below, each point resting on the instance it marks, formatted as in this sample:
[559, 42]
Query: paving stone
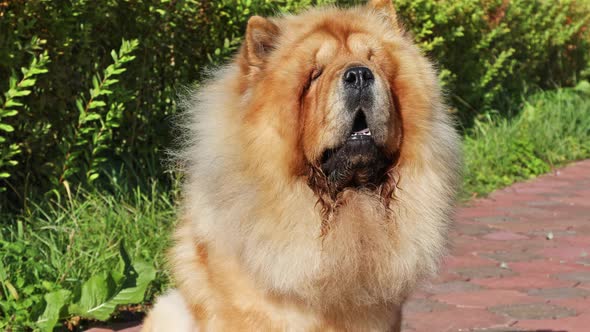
[579, 323]
[485, 298]
[581, 276]
[559, 293]
[543, 267]
[474, 229]
[454, 262]
[500, 329]
[458, 286]
[512, 256]
[471, 210]
[579, 305]
[505, 236]
[446, 275]
[557, 234]
[510, 196]
[522, 282]
[520, 212]
[579, 240]
[495, 219]
[484, 272]
[466, 245]
[536, 225]
[565, 253]
[461, 319]
[533, 311]
[425, 305]
[545, 203]
[582, 200]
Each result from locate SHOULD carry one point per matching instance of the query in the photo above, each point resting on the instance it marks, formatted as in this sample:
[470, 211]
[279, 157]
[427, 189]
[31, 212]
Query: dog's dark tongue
[359, 163]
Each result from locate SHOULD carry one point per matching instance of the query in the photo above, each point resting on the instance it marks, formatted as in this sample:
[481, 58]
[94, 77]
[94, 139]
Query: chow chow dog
[321, 172]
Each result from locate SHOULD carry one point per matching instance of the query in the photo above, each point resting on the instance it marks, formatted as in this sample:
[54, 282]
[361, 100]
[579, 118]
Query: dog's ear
[261, 36]
[386, 8]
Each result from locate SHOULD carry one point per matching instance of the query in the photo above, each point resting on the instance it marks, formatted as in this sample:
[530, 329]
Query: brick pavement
[520, 262]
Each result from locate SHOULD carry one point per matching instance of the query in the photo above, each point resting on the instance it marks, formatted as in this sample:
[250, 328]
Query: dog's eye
[315, 74]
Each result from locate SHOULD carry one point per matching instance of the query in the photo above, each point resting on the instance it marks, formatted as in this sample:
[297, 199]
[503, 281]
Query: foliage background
[88, 89]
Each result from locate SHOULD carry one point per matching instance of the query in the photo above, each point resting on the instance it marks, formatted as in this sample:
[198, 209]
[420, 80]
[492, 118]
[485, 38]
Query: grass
[552, 129]
[59, 245]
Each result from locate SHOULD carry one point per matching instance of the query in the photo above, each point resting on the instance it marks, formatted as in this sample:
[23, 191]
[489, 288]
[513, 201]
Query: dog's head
[326, 83]
[332, 88]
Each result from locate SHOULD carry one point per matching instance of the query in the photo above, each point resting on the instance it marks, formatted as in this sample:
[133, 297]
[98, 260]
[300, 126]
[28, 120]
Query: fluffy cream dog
[321, 176]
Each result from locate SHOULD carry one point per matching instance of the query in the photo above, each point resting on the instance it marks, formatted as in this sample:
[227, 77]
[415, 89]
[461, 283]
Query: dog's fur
[265, 243]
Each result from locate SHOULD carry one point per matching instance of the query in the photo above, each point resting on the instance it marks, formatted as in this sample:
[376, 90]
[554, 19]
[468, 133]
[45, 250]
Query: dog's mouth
[358, 162]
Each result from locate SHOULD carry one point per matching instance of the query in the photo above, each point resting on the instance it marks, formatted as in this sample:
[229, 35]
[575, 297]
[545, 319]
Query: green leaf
[55, 303]
[95, 291]
[12, 81]
[11, 289]
[37, 70]
[80, 106]
[114, 56]
[18, 93]
[11, 112]
[110, 82]
[92, 116]
[133, 293]
[92, 177]
[96, 104]
[95, 83]
[118, 71]
[98, 301]
[6, 127]
[27, 83]
[11, 103]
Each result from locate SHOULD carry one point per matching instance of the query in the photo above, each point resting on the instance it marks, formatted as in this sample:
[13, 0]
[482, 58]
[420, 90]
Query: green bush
[489, 52]
[17, 88]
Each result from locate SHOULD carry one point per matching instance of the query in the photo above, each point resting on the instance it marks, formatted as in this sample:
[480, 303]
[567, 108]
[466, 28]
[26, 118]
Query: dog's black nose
[358, 77]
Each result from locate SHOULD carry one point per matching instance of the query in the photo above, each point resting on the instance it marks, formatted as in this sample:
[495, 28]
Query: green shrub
[99, 115]
[491, 51]
[10, 106]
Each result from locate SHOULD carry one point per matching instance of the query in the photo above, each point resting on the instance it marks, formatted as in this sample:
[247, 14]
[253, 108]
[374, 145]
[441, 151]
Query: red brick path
[520, 262]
